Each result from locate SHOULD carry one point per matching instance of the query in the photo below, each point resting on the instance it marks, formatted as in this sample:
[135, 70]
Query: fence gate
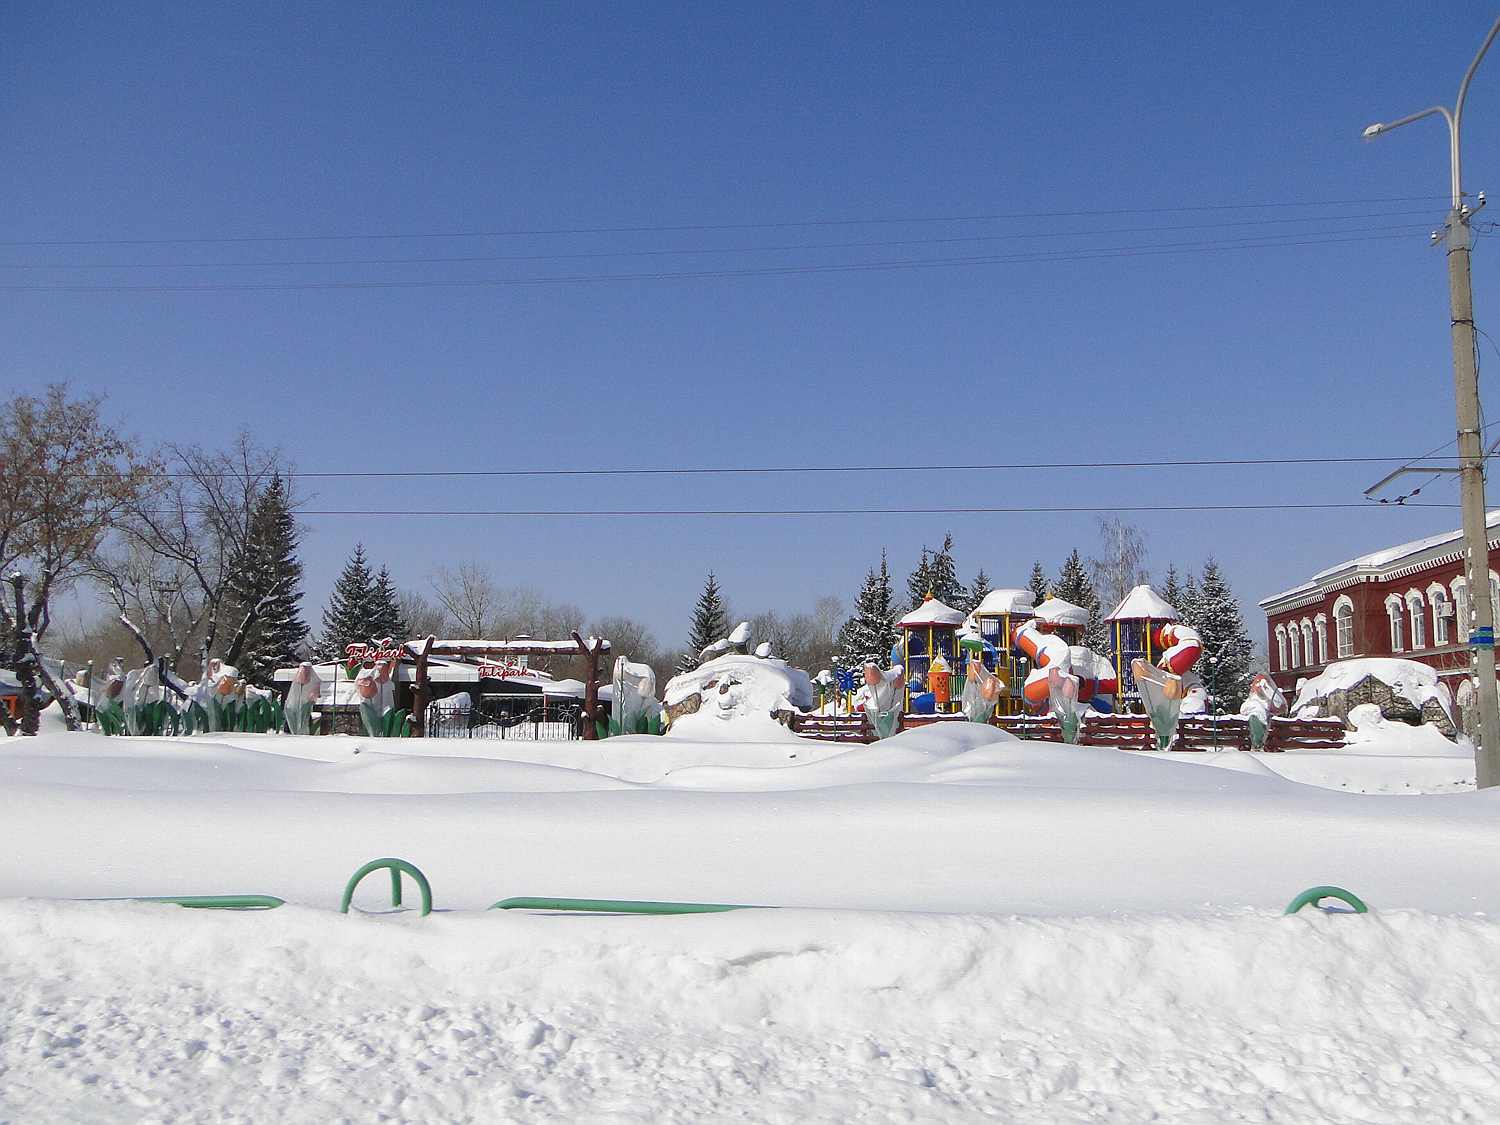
[523, 717]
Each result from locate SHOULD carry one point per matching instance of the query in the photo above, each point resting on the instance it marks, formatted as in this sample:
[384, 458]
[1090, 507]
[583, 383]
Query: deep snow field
[974, 928]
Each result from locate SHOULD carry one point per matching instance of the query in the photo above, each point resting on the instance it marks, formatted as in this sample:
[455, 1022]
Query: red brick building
[1409, 601]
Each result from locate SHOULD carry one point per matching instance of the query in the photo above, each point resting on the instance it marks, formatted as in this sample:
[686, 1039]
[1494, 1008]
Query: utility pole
[1457, 240]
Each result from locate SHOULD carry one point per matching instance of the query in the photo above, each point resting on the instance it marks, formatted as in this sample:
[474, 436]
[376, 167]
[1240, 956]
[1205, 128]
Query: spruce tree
[386, 619]
[977, 590]
[919, 582]
[870, 633]
[710, 624]
[1187, 603]
[1038, 583]
[347, 618]
[269, 572]
[1227, 648]
[1171, 589]
[943, 577]
[1074, 585]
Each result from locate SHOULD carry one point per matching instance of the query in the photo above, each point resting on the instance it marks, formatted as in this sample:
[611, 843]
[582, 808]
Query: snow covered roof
[1008, 600]
[522, 645]
[1377, 562]
[1060, 612]
[1142, 602]
[931, 612]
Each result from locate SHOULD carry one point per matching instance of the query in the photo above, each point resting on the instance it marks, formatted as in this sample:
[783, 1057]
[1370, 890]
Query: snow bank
[153, 1013]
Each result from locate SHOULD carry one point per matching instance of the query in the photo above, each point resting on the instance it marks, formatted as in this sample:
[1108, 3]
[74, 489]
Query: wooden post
[419, 689]
[590, 688]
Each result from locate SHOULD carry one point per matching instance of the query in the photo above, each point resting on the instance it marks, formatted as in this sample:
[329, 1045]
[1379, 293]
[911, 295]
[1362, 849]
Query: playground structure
[930, 656]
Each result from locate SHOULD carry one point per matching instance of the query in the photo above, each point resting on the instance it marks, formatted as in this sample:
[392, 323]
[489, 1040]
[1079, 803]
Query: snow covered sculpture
[371, 716]
[142, 688]
[737, 695]
[1265, 701]
[763, 650]
[1406, 691]
[1181, 646]
[981, 692]
[940, 680]
[1161, 694]
[883, 695]
[634, 709]
[1468, 708]
[300, 697]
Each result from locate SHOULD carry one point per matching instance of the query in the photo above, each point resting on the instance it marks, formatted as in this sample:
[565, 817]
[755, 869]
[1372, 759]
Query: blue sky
[175, 121]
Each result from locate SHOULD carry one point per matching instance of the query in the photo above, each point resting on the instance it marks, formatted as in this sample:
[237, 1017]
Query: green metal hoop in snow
[1314, 895]
[395, 866]
[617, 906]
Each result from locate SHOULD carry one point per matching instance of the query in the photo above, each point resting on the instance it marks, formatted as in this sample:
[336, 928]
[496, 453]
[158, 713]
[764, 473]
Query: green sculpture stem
[396, 867]
[214, 902]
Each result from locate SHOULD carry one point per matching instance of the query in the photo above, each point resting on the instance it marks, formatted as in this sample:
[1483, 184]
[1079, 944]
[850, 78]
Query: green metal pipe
[209, 902]
[619, 906]
[1314, 895]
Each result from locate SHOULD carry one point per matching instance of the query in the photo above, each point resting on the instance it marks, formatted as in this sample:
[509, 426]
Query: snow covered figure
[142, 688]
[1264, 701]
[883, 695]
[634, 709]
[371, 714]
[300, 697]
[981, 692]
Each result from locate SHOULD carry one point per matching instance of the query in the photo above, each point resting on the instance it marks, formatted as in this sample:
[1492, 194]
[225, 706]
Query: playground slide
[1045, 651]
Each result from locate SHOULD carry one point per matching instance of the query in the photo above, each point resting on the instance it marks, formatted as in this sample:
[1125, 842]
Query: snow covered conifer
[1037, 583]
[347, 616]
[943, 576]
[977, 590]
[1171, 589]
[1074, 585]
[710, 623]
[1227, 648]
[386, 618]
[871, 631]
[270, 576]
[919, 582]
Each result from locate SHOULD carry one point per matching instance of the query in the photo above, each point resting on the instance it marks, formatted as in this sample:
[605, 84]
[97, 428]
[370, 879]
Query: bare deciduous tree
[1121, 562]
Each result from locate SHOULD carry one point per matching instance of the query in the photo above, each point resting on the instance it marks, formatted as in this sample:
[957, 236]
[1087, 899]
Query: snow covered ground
[981, 928]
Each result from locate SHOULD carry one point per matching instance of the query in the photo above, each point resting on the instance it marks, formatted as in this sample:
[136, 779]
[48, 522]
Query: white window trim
[1460, 588]
[1307, 641]
[1343, 602]
[1320, 627]
[1416, 612]
[1294, 639]
[1437, 597]
[1395, 610]
[1281, 647]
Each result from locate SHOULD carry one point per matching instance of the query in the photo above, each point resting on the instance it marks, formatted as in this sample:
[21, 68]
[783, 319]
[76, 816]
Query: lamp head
[1373, 131]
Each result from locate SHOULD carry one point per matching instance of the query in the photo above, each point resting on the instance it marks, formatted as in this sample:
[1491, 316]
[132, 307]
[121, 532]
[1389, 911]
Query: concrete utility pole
[1457, 239]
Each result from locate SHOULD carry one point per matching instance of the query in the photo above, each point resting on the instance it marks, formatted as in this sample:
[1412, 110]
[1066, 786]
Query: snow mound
[118, 1011]
[738, 695]
[1375, 734]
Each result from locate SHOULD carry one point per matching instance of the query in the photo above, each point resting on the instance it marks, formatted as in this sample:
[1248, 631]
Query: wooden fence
[1304, 734]
[1206, 732]
[1043, 727]
[1125, 732]
[834, 728]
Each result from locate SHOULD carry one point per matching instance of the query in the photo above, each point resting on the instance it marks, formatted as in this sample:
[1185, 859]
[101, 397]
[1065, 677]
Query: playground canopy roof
[1008, 600]
[1060, 612]
[931, 612]
[1141, 603]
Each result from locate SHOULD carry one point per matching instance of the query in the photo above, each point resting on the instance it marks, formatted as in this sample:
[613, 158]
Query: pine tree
[1171, 588]
[270, 575]
[977, 590]
[919, 582]
[871, 632]
[1187, 603]
[710, 624]
[347, 618]
[1074, 585]
[943, 577]
[1038, 584]
[386, 619]
[1227, 648]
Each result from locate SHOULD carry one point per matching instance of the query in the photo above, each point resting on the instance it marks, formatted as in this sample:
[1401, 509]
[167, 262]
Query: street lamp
[1458, 239]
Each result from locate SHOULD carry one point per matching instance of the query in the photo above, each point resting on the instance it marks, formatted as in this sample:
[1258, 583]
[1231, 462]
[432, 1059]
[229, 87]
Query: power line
[692, 250]
[715, 274]
[769, 470]
[698, 227]
[581, 513]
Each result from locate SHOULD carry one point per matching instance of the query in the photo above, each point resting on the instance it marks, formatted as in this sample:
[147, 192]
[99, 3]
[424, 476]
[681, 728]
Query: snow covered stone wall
[1404, 690]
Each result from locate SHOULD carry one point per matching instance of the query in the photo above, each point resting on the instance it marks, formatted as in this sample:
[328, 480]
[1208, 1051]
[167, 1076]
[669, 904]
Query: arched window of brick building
[1442, 613]
[1343, 625]
[1320, 627]
[1281, 661]
[1416, 607]
[1460, 588]
[1393, 608]
[1294, 639]
[1307, 640]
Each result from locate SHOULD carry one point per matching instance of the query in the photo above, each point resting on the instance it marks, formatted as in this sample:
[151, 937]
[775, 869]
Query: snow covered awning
[1143, 602]
[931, 612]
[1007, 601]
[1056, 611]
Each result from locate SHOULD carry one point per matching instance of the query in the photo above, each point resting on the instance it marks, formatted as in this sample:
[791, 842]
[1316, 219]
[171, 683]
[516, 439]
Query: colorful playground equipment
[1063, 674]
[1133, 626]
[996, 619]
[929, 654]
